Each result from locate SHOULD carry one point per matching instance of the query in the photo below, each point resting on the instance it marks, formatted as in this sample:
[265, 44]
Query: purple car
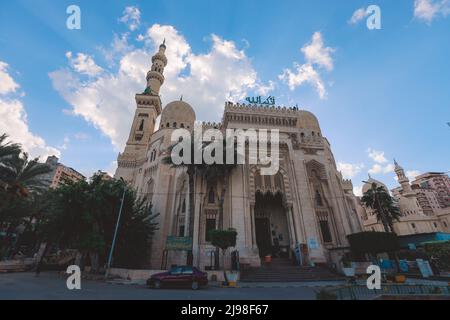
[180, 276]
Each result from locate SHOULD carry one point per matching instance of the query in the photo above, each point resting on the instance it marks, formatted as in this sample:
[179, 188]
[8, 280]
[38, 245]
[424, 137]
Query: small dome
[307, 120]
[368, 185]
[178, 114]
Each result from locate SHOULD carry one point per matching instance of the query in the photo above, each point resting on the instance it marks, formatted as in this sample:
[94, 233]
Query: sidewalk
[244, 285]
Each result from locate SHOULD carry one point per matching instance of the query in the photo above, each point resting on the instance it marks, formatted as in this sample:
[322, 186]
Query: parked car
[180, 276]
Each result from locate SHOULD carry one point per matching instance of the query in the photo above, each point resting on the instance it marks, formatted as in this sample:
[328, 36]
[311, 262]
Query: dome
[178, 114]
[368, 185]
[307, 120]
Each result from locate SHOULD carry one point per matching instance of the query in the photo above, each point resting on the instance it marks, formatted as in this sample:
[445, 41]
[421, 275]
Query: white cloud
[412, 174]
[14, 121]
[378, 168]
[81, 136]
[358, 16]
[349, 170]
[316, 54]
[377, 156]
[205, 80]
[83, 64]
[111, 168]
[7, 83]
[65, 144]
[427, 10]
[381, 165]
[304, 73]
[357, 190]
[117, 48]
[131, 17]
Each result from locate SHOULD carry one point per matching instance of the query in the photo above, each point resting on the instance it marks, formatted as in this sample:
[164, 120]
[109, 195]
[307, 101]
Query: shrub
[324, 294]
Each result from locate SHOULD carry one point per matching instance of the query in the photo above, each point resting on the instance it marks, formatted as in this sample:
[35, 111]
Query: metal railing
[361, 292]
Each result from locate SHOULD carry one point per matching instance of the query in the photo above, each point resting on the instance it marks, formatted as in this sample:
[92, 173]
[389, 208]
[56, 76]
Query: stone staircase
[282, 270]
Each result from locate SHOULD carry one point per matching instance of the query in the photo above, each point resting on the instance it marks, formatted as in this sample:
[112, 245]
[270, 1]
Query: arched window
[182, 125]
[258, 180]
[319, 201]
[141, 126]
[174, 125]
[183, 206]
[211, 196]
[279, 181]
[168, 125]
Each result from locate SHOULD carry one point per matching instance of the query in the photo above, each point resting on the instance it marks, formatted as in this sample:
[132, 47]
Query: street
[51, 286]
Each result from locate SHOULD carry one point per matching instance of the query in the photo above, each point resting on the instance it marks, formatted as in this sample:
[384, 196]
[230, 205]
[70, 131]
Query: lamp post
[108, 266]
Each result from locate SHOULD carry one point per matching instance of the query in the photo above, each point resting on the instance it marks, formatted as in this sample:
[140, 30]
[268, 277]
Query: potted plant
[225, 239]
[268, 258]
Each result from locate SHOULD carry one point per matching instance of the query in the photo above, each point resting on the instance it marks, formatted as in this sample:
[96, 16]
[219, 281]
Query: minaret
[402, 178]
[147, 110]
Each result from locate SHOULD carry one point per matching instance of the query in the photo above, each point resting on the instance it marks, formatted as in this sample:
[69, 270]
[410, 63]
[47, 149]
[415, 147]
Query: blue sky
[378, 94]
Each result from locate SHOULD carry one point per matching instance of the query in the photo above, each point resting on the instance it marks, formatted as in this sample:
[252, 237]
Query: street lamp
[115, 231]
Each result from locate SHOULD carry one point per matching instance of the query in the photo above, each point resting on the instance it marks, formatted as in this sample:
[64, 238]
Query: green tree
[221, 172]
[23, 175]
[378, 199]
[21, 181]
[192, 169]
[212, 173]
[82, 215]
[8, 149]
[223, 239]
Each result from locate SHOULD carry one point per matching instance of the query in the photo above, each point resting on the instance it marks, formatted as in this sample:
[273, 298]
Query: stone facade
[306, 204]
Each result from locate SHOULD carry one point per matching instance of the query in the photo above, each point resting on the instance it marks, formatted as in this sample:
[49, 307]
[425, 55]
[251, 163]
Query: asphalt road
[51, 286]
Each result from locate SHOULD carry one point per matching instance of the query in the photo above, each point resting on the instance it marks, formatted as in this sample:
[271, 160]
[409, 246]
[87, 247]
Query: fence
[361, 292]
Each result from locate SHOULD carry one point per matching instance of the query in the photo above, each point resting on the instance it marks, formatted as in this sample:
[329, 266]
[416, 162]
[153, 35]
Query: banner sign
[178, 243]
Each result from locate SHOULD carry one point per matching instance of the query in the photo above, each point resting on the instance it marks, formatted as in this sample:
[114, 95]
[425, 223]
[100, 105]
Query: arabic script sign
[258, 100]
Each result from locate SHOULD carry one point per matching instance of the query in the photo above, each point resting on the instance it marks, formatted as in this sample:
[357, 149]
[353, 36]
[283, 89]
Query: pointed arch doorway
[271, 225]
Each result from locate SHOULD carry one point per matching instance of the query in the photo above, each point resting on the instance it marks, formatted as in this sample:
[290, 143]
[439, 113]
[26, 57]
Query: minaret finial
[369, 175]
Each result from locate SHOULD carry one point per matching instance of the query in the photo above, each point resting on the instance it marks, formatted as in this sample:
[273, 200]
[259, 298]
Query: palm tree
[23, 175]
[8, 149]
[211, 173]
[191, 170]
[221, 172]
[378, 199]
[20, 177]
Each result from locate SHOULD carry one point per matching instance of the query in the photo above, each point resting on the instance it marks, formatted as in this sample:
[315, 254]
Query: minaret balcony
[155, 75]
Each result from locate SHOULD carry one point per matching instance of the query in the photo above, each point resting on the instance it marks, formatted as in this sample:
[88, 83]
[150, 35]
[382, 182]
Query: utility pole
[108, 266]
